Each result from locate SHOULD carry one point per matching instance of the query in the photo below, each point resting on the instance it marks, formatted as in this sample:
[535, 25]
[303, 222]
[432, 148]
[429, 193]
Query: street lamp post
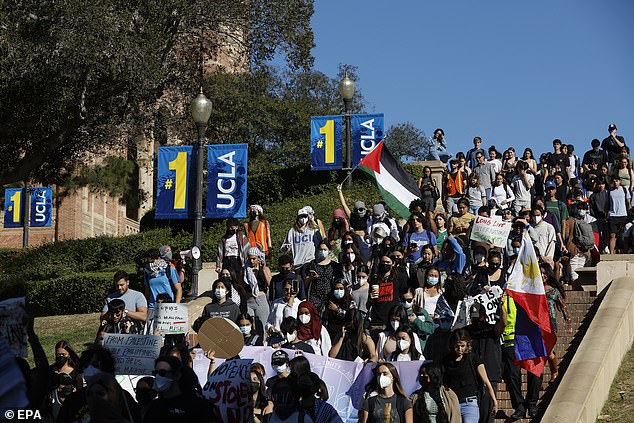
[200, 110]
[346, 89]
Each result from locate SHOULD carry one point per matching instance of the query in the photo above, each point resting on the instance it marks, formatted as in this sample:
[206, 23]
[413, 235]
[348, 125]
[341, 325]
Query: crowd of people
[372, 288]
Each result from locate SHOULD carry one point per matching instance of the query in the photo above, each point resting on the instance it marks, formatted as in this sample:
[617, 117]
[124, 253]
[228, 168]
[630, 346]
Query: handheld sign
[222, 336]
[133, 354]
[229, 390]
[491, 230]
[170, 319]
[12, 328]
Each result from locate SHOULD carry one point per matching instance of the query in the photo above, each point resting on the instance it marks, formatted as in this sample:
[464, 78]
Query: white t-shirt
[497, 165]
[231, 246]
[522, 195]
[500, 194]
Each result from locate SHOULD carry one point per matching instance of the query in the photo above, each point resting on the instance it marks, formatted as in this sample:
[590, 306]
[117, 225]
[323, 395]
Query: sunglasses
[361, 210]
[302, 216]
[161, 372]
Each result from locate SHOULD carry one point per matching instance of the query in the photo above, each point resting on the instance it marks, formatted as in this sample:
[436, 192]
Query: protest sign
[170, 318]
[491, 230]
[222, 336]
[490, 299]
[12, 327]
[133, 354]
[229, 390]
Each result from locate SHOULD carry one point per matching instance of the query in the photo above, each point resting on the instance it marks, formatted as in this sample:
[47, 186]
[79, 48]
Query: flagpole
[349, 174]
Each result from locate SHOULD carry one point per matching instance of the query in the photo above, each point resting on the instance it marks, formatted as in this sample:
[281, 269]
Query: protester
[311, 330]
[262, 407]
[289, 330]
[352, 343]
[221, 305]
[283, 307]
[434, 402]
[160, 278]
[145, 393]
[429, 192]
[257, 278]
[385, 389]
[339, 300]
[302, 239]
[258, 230]
[135, 302]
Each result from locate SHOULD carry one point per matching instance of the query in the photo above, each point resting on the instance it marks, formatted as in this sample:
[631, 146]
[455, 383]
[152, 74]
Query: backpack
[582, 236]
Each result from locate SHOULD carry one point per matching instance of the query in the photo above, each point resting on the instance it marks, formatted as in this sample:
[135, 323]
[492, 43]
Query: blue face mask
[321, 255]
[432, 281]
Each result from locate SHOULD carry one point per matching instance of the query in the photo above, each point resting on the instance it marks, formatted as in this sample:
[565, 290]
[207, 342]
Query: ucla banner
[41, 206]
[226, 180]
[325, 143]
[13, 204]
[176, 178]
[367, 132]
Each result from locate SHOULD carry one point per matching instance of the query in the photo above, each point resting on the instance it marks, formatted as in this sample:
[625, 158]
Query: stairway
[582, 306]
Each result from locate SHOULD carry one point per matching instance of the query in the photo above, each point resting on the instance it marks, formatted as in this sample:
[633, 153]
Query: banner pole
[349, 173]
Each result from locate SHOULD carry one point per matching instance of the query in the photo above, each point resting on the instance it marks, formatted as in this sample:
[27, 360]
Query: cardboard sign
[170, 318]
[491, 230]
[12, 327]
[490, 299]
[229, 390]
[222, 336]
[133, 354]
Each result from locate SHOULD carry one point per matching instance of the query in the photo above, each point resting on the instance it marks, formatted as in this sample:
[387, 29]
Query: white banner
[492, 230]
[229, 390]
[134, 354]
[12, 325]
[170, 318]
[490, 299]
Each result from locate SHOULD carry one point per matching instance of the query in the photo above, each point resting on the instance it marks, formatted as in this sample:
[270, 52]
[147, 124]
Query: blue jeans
[469, 410]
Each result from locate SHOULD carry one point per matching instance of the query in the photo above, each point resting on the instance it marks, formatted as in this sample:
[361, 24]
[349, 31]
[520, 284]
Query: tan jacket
[449, 400]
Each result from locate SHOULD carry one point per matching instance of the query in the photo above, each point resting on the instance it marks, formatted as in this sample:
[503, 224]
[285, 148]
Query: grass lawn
[620, 405]
[78, 329]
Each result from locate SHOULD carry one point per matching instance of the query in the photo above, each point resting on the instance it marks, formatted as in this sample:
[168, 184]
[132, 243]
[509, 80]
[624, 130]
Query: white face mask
[220, 293]
[403, 344]
[304, 318]
[408, 304]
[395, 324]
[339, 293]
[162, 383]
[280, 369]
[384, 381]
[352, 256]
[302, 220]
[91, 371]
[537, 219]
[362, 281]
[290, 337]
[245, 329]
[378, 239]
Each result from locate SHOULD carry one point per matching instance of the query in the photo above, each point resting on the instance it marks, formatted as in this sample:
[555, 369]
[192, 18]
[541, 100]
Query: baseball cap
[166, 252]
[612, 127]
[279, 357]
[378, 209]
[359, 205]
[475, 310]
[550, 184]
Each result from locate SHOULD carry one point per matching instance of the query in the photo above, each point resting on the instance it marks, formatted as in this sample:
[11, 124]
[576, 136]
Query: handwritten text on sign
[134, 354]
[229, 389]
[494, 231]
[12, 328]
[170, 318]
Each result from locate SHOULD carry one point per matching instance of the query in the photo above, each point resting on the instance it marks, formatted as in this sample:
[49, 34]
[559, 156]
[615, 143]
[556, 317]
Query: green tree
[407, 142]
[78, 75]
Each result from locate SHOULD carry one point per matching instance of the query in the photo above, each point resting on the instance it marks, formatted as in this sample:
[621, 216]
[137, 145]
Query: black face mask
[494, 266]
[144, 396]
[284, 272]
[60, 360]
[255, 386]
[231, 231]
[384, 268]
[253, 215]
[66, 390]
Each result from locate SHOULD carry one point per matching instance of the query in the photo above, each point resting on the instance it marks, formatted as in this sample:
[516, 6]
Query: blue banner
[41, 206]
[13, 207]
[325, 143]
[367, 132]
[226, 180]
[176, 180]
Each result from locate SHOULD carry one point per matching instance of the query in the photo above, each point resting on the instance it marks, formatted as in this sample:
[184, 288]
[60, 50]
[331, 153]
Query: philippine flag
[534, 336]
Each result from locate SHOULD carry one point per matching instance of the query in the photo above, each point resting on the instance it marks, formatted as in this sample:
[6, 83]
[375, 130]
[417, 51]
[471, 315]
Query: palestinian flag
[397, 188]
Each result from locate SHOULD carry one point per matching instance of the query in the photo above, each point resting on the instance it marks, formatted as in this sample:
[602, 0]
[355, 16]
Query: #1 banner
[325, 143]
[367, 131]
[227, 180]
[176, 178]
[13, 207]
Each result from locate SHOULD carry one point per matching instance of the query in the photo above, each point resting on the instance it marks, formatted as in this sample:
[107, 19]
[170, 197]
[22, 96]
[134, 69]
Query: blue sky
[514, 73]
